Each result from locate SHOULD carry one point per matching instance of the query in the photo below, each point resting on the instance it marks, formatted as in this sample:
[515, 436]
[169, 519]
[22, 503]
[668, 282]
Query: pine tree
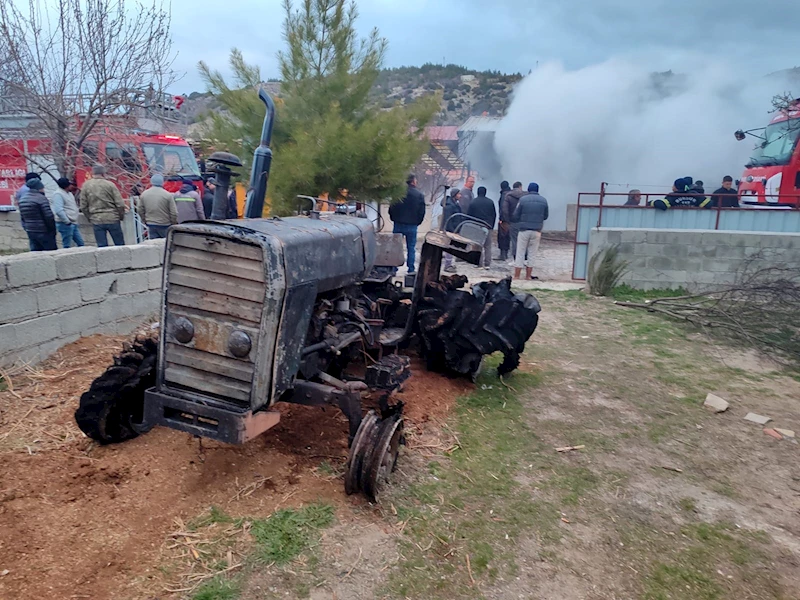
[329, 135]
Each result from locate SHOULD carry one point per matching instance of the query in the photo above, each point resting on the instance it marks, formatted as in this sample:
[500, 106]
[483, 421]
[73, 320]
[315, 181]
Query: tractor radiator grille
[218, 285]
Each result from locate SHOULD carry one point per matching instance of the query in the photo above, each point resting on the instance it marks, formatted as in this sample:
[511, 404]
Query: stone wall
[14, 238]
[692, 259]
[49, 299]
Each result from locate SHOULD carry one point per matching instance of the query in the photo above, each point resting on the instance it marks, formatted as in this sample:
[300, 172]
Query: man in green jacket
[102, 204]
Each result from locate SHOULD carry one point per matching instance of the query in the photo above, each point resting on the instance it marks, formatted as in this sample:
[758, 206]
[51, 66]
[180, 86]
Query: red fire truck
[130, 159]
[772, 175]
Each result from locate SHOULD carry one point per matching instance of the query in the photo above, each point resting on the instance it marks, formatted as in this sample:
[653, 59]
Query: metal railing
[609, 209]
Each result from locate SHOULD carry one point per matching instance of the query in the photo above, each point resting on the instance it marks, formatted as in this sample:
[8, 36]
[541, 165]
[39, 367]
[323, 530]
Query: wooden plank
[211, 363]
[205, 261]
[218, 245]
[220, 304]
[217, 283]
[206, 382]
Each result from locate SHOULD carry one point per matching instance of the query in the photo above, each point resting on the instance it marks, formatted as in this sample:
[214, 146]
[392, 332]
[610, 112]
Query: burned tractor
[303, 310]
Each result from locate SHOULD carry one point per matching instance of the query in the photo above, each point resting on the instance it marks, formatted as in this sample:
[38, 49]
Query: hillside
[465, 92]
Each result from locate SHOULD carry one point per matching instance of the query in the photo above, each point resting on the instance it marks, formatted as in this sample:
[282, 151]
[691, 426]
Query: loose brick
[76, 262]
[99, 287]
[32, 268]
[59, 296]
[113, 258]
[16, 305]
[35, 332]
[79, 319]
[132, 283]
[146, 256]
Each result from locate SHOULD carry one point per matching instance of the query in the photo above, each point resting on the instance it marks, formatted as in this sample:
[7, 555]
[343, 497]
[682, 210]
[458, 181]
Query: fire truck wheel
[112, 410]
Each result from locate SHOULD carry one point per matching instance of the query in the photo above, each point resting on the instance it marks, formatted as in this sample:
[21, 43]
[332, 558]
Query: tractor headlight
[239, 344]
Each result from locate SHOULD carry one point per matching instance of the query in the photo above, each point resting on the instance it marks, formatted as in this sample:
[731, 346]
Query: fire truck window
[91, 150]
[171, 159]
[129, 160]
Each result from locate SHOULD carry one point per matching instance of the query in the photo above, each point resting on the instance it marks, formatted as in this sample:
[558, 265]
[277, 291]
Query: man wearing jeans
[66, 213]
[102, 204]
[407, 215]
[530, 215]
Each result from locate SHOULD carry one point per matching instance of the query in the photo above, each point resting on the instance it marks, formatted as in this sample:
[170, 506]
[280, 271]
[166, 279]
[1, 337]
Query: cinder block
[32, 268]
[614, 236]
[35, 332]
[49, 348]
[76, 262]
[24, 355]
[79, 319]
[99, 287]
[58, 296]
[662, 262]
[634, 236]
[113, 258]
[132, 282]
[146, 256]
[3, 276]
[146, 304]
[719, 265]
[676, 250]
[154, 277]
[651, 249]
[687, 264]
[8, 338]
[17, 304]
[116, 308]
[103, 329]
[127, 326]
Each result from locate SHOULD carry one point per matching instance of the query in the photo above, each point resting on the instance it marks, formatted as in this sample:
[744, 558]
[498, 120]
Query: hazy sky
[511, 35]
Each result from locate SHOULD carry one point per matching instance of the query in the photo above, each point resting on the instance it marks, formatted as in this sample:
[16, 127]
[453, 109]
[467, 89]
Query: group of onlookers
[519, 227]
[689, 193]
[101, 203]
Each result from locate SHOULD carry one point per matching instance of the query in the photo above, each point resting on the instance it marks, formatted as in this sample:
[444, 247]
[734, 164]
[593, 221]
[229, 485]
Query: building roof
[443, 133]
[440, 157]
[488, 124]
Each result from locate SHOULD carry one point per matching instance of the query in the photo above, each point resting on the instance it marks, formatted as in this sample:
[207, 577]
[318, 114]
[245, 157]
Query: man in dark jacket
[503, 231]
[37, 217]
[530, 215]
[726, 196]
[407, 215]
[682, 195]
[483, 208]
[451, 208]
[208, 196]
[507, 208]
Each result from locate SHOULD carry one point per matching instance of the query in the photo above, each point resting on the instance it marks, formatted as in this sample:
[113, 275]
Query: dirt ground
[663, 500]
[87, 521]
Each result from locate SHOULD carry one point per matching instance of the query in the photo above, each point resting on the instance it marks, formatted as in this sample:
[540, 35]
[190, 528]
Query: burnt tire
[112, 410]
[458, 328]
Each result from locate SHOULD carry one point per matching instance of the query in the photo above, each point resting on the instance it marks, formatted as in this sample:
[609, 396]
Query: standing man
[102, 204]
[37, 217]
[66, 213]
[24, 189]
[483, 208]
[726, 196]
[466, 194]
[530, 215]
[507, 211]
[451, 208]
[189, 203]
[503, 230]
[407, 215]
[157, 208]
[208, 197]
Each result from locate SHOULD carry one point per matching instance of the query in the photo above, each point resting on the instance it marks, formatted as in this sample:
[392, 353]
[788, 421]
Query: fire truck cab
[772, 175]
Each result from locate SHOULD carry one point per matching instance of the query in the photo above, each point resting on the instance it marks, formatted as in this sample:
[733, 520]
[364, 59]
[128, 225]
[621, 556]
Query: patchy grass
[625, 293]
[287, 533]
[219, 588]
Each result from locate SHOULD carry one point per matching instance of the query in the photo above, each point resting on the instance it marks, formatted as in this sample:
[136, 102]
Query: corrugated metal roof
[480, 124]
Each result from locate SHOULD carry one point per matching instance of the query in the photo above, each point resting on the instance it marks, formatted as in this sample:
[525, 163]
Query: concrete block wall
[49, 299]
[14, 238]
[693, 259]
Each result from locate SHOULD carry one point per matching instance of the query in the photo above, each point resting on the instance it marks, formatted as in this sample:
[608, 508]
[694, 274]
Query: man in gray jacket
[157, 208]
[529, 216]
[66, 212]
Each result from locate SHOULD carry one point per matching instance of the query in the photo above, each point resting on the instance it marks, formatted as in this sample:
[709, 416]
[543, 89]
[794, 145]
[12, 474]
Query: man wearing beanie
[102, 204]
[530, 215]
[682, 195]
[37, 217]
[24, 189]
[66, 213]
[157, 208]
[483, 208]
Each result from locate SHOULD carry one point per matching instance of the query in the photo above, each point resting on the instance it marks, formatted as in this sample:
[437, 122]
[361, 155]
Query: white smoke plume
[616, 122]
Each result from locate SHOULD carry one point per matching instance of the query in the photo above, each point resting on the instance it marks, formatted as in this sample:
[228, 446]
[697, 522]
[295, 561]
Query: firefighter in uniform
[682, 195]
